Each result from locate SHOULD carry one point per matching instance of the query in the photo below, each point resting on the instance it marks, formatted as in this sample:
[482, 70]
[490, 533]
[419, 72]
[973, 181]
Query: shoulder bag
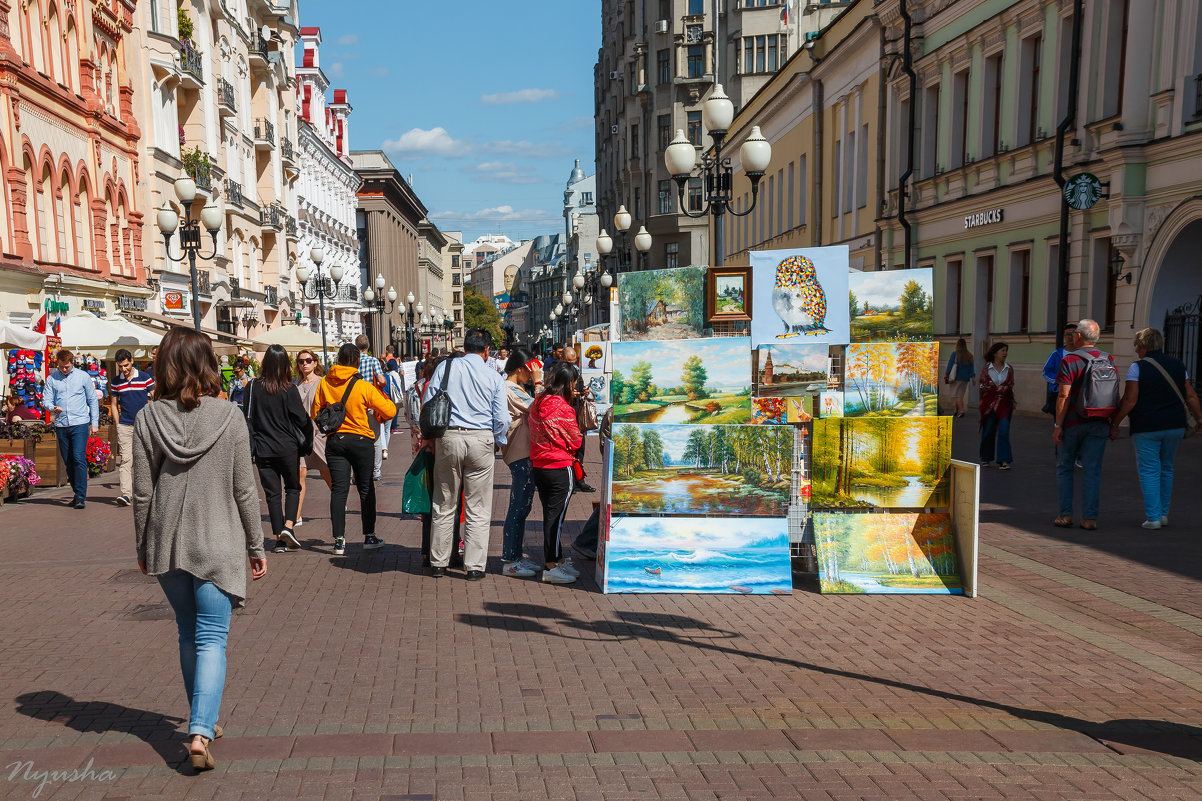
[250, 423]
[435, 417]
[331, 418]
[1191, 425]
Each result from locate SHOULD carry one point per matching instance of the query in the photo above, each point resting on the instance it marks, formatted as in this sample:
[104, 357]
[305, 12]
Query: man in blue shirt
[1052, 366]
[71, 395]
[371, 370]
[465, 456]
[130, 391]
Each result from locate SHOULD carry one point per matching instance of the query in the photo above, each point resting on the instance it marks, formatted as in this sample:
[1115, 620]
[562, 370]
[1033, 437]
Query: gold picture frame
[728, 294]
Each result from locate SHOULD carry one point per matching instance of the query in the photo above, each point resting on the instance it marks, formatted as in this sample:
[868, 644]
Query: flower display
[98, 455]
[18, 473]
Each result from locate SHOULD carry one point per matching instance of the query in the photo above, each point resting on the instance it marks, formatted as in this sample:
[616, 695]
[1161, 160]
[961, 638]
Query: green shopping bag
[419, 485]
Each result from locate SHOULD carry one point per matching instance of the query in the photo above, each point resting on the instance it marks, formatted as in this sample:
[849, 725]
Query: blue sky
[485, 103]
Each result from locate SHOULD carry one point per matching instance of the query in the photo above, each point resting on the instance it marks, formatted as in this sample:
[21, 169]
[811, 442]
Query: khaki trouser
[462, 459]
[125, 459]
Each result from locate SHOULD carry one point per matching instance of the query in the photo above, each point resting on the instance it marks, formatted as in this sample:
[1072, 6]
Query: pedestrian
[394, 388]
[959, 365]
[129, 392]
[283, 433]
[372, 371]
[554, 438]
[1052, 366]
[309, 372]
[502, 361]
[1077, 435]
[996, 405]
[556, 355]
[390, 361]
[522, 370]
[583, 399]
[1159, 398]
[71, 395]
[236, 392]
[192, 468]
[428, 367]
[464, 456]
[351, 448]
[15, 409]
[154, 354]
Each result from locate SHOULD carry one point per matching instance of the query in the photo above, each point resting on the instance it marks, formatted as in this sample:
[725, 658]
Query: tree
[479, 312]
[913, 300]
[653, 449]
[851, 296]
[617, 388]
[639, 388]
[693, 378]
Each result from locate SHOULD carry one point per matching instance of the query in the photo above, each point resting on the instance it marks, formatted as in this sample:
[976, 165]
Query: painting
[890, 462]
[768, 411]
[747, 556]
[799, 410]
[892, 379]
[728, 294]
[891, 305]
[799, 295]
[831, 403]
[598, 384]
[662, 304]
[887, 553]
[593, 357]
[702, 470]
[682, 381]
[784, 371]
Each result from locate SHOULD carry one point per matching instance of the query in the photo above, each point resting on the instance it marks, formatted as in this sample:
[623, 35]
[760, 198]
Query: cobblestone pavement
[1077, 674]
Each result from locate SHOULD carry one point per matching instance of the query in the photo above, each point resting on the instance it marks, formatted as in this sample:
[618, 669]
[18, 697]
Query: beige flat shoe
[217, 731]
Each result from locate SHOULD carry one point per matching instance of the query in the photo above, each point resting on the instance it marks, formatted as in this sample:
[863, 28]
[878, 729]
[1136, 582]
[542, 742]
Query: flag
[784, 16]
[58, 324]
[40, 326]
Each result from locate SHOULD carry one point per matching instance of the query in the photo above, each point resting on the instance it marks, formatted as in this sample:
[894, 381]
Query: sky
[486, 104]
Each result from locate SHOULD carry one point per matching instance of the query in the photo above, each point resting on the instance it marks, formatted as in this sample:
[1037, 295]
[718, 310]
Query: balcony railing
[225, 95]
[258, 45]
[271, 296]
[286, 148]
[233, 192]
[290, 226]
[200, 171]
[192, 63]
[203, 285]
[269, 216]
[350, 292]
[264, 131]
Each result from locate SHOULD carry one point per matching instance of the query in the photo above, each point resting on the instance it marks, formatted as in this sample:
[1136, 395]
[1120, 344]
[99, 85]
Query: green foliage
[680, 289]
[479, 312]
[196, 161]
[693, 378]
[752, 477]
[914, 301]
[618, 387]
[653, 449]
[851, 297]
[185, 26]
[639, 388]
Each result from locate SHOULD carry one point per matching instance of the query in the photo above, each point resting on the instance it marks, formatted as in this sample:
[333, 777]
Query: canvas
[698, 555]
[891, 305]
[702, 470]
[594, 357]
[831, 403]
[598, 384]
[704, 381]
[799, 410]
[886, 553]
[888, 462]
[791, 370]
[798, 295]
[768, 411]
[662, 304]
[892, 379]
[729, 295]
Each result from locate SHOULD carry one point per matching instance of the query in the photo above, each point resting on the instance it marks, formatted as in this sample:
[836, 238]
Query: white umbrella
[11, 336]
[291, 337]
[87, 333]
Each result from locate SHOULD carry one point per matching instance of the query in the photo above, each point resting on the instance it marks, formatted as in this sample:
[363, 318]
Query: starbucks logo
[1082, 191]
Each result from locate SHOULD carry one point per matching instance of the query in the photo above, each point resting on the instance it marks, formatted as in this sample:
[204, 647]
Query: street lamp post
[410, 326]
[375, 305]
[681, 158]
[189, 235]
[322, 287]
[642, 241]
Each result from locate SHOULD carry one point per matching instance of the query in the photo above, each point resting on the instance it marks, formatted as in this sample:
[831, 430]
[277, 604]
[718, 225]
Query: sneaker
[558, 576]
[377, 477]
[1078, 464]
[1164, 522]
[384, 453]
[1151, 525]
[371, 542]
[587, 553]
[535, 566]
[123, 500]
[280, 547]
[298, 523]
[289, 539]
[567, 566]
[1003, 465]
[516, 570]
[986, 464]
[339, 546]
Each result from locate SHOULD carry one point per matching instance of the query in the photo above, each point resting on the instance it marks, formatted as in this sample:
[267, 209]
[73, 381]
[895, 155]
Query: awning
[87, 333]
[223, 342]
[12, 336]
[290, 336]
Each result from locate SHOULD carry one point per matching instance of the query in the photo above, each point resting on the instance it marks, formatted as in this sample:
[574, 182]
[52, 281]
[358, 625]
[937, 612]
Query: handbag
[250, 425]
[578, 470]
[331, 418]
[435, 417]
[418, 492]
[1191, 424]
[586, 414]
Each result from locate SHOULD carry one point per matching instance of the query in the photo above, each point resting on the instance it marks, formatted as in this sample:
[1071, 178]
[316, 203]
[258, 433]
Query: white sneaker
[558, 576]
[299, 522]
[516, 570]
[535, 566]
[1164, 522]
[1151, 525]
[567, 567]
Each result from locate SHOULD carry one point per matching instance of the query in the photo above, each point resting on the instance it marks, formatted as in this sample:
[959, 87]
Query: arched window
[124, 238]
[253, 265]
[46, 215]
[54, 64]
[33, 25]
[71, 78]
[66, 209]
[83, 224]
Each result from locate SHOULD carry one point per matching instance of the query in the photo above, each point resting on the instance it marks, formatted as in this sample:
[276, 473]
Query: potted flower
[17, 476]
[99, 453]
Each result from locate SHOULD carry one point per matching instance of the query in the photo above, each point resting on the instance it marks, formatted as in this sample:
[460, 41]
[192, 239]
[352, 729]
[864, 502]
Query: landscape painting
[768, 411]
[891, 305]
[886, 553]
[890, 462]
[662, 304]
[705, 381]
[728, 295]
[748, 556]
[790, 370]
[892, 379]
[702, 470]
[798, 295]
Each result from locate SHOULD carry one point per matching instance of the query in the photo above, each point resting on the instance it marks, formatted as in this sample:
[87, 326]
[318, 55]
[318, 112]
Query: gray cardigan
[196, 506]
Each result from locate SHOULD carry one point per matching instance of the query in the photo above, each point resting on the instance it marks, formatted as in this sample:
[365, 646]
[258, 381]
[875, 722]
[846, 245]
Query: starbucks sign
[1082, 191]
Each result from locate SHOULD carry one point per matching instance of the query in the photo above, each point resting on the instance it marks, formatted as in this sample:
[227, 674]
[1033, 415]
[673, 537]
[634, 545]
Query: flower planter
[47, 461]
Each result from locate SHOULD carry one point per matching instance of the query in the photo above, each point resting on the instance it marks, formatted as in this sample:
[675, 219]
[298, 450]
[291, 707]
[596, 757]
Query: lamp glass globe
[391, 295]
[681, 156]
[605, 243]
[642, 240]
[718, 112]
[409, 298]
[368, 295]
[607, 280]
[336, 272]
[318, 254]
[578, 280]
[622, 219]
[210, 218]
[167, 220]
[567, 299]
[185, 190]
[379, 281]
[302, 273]
[419, 308]
[756, 153]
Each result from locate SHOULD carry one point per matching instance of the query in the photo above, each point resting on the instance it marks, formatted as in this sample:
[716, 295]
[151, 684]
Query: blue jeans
[73, 447]
[1154, 452]
[994, 429]
[1086, 442]
[521, 501]
[202, 614]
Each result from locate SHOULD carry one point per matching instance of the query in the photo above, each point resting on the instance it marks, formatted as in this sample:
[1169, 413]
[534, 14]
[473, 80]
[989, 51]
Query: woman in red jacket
[554, 438]
[997, 407]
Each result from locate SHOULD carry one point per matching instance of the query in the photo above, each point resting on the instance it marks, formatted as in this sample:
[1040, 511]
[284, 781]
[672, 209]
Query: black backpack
[436, 412]
[331, 418]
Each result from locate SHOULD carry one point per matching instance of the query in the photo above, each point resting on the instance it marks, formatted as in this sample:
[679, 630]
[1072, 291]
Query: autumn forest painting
[886, 553]
[892, 379]
[889, 462]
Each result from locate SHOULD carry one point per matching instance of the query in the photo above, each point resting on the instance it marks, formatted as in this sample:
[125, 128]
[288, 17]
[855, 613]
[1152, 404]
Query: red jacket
[554, 433]
[996, 398]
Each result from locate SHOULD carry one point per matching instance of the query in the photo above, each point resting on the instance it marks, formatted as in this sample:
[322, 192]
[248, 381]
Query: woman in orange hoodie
[351, 449]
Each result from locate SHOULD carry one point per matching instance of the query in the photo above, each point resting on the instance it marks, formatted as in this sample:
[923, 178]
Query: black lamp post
[376, 305]
[319, 289]
[642, 242]
[411, 327]
[189, 235]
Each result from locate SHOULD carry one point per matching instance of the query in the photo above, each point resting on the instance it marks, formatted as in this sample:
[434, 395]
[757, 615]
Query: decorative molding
[1156, 217]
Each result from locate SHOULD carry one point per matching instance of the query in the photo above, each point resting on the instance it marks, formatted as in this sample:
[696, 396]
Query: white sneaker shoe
[299, 522]
[516, 570]
[567, 567]
[535, 566]
[558, 576]
[1164, 522]
[1151, 525]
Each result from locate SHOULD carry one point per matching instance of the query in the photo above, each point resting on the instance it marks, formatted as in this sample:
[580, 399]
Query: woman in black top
[282, 433]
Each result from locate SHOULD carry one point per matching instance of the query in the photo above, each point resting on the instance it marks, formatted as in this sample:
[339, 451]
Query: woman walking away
[996, 406]
[283, 433]
[1157, 395]
[522, 370]
[196, 517]
[309, 373]
[958, 373]
[351, 449]
[554, 437]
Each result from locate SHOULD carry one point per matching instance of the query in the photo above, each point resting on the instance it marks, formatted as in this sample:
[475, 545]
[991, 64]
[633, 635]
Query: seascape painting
[891, 305]
[662, 304]
[791, 370]
[798, 295]
[890, 462]
[706, 381]
[892, 379]
[698, 555]
[768, 412]
[886, 553]
[701, 470]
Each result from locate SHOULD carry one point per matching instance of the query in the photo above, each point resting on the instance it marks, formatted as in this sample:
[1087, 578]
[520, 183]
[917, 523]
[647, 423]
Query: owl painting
[798, 298]
[806, 291]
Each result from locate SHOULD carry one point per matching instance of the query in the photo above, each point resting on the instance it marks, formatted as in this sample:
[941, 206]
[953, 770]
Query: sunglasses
[304, 361]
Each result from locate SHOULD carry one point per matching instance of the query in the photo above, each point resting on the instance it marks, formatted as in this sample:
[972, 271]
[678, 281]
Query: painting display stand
[965, 512]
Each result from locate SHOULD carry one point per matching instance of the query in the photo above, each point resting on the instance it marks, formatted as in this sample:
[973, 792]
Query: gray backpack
[1098, 396]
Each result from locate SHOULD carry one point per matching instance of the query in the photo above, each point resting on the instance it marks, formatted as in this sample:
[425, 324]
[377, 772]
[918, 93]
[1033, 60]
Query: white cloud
[337, 70]
[378, 72]
[347, 39]
[521, 96]
[505, 172]
[500, 214]
[433, 142]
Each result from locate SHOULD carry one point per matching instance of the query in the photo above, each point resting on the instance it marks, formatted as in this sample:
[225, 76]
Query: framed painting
[887, 553]
[727, 294]
[662, 304]
[800, 296]
[768, 411]
[682, 381]
[881, 462]
[891, 305]
[793, 370]
[892, 379]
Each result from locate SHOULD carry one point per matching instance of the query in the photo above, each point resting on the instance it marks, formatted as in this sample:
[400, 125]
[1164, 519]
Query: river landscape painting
[892, 379]
[887, 462]
[702, 470]
[790, 371]
[886, 553]
[698, 555]
[891, 305]
[703, 381]
[662, 304]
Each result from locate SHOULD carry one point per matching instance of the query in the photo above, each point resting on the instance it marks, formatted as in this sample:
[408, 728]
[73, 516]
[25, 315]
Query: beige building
[452, 284]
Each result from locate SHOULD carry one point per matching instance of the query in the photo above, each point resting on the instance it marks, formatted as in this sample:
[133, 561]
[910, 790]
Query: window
[671, 255]
[1115, 57]
[986, 263]
[960, 152]
[586, 198]
[770, 199]
[458, 318]
[638, 203]
[634, 140]
[991, 119]
[694, 129]
[780, 201]
[663, 66]
[665, 9]
[930, 129]
[696, 6]
[455, 276]
[1028, 82]
[665, 197]
[695, 194]
[457, 297]
[749, 54]
[763, 53]
[953, 296]
[837, 186]
[455, 263]
[696, 61]
[664, 124]
[801, 191]
[772, 40]
[849, 172]
[1024, 299]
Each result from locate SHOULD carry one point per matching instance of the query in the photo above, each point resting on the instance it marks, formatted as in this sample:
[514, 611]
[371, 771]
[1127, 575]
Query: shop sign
[94, 305]
[983, 218]
[1082, 191]
[56, 306]
[173, 301]
[134, 304]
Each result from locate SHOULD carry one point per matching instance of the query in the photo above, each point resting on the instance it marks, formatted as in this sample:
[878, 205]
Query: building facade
[452, 284]
[549, 279]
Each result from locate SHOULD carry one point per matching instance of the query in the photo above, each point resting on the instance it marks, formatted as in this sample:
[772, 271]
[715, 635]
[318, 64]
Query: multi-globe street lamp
[376, 305]
[411, 327]
[642, 241]
[189, 235]
[319, 289]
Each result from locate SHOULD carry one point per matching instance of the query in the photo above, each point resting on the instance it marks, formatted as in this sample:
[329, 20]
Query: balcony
[202, 284]
[227, 105]
[270, 216]
[191, 63]
[198, 165]
[290, 227]
[264, 135]
[271, 296]
[233, 192]
[286, 153]
[258, 49]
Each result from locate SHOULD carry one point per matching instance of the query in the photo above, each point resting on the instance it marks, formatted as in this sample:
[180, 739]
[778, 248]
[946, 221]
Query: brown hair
[993, 349]
[186, 368]
[963, 354]
[1150, 339]
[64, 357]
[319, 369]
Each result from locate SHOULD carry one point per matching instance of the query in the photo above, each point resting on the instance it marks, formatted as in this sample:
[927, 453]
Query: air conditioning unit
[661, 26]
[613, 129]
[613, 75]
